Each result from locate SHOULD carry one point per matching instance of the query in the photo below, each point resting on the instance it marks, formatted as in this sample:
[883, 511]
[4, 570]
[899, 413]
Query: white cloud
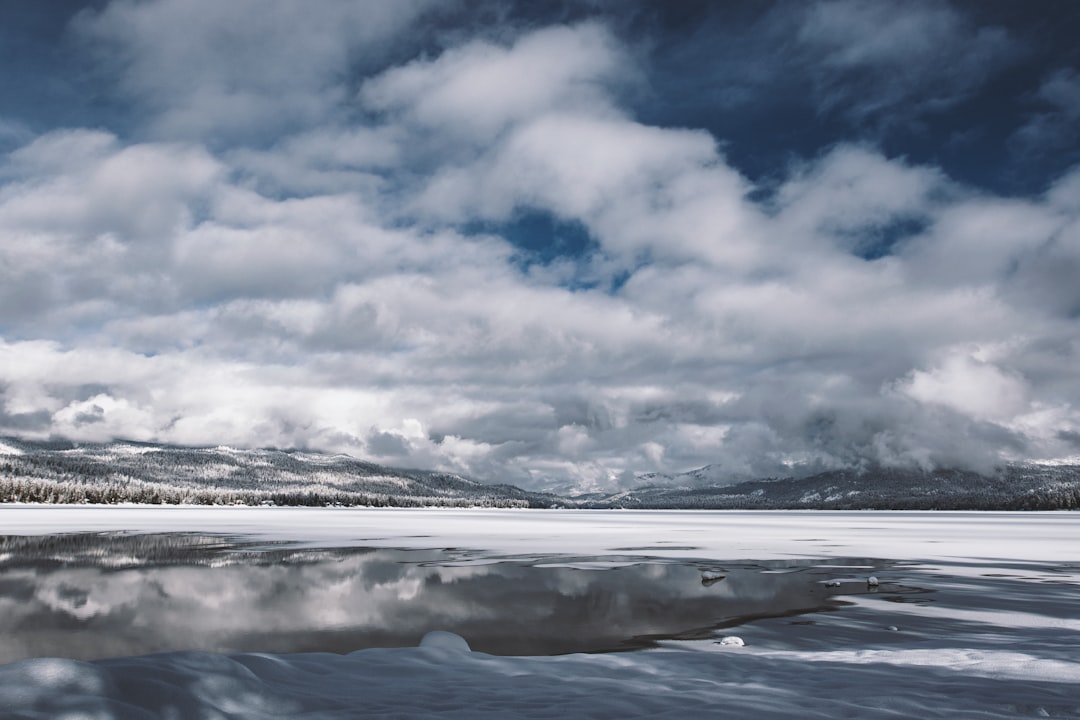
[240, 69]
[83, 179]
[102, 418]
[322, 290]
[971, 386]
[639, 190]
[979, 241]
[89, 223]
[853, 194]
[477, 90]
[327, 160]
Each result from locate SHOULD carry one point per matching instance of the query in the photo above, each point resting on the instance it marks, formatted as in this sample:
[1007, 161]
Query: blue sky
[554, 244]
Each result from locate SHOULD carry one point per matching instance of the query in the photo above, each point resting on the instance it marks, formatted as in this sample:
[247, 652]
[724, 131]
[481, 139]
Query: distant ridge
[133, 472]
[66, 472]
[1014, 487]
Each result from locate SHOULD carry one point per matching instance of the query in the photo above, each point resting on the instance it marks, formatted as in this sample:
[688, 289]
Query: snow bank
[437, 682]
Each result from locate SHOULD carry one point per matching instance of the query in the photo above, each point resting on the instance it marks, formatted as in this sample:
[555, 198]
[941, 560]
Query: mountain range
[68, 472]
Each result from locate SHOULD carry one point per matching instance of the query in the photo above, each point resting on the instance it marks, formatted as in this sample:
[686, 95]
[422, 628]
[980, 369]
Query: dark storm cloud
[883, 62]
[869, 63]
[1052, 127]
[554, 245]
[44, 83]
[386, 444]
[19, 422]
[946, 83]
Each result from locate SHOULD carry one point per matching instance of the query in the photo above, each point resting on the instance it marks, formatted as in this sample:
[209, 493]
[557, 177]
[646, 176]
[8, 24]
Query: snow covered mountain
[1014, 487]
[714, 475]
[65, 472]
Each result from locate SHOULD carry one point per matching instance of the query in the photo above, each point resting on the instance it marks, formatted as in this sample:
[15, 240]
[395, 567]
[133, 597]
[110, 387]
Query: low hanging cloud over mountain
[548, 246]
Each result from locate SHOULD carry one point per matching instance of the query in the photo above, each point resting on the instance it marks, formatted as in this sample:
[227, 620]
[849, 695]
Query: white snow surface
[1006, 658]
[980, 537]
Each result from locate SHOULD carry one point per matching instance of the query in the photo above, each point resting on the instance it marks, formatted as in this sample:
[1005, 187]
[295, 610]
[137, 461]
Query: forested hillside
[157, 474]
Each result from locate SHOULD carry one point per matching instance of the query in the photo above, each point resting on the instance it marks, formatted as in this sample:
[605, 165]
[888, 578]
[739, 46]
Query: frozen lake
[971, 614]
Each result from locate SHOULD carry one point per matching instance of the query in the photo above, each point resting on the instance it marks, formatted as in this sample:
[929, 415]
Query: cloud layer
[309, 240]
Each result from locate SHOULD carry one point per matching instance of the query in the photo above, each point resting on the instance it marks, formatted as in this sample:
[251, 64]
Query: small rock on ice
[709, 577]
[732, 641]
[893, 628]
[872, 581]
[442, 640]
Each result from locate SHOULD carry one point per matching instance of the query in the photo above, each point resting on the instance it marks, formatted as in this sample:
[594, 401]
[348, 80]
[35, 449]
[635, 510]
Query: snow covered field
[974, 615]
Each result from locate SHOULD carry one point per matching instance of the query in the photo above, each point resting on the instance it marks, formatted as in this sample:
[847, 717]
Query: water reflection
[98, 595]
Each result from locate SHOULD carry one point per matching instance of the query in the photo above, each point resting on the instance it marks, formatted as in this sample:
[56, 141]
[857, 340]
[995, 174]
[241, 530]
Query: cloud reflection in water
[90, 596]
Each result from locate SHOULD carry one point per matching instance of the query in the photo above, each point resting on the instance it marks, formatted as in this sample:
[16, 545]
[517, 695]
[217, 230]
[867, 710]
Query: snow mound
[445, 641]
[418, 683]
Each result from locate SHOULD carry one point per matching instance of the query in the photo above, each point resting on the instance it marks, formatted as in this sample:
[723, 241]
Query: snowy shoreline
[1039, 536]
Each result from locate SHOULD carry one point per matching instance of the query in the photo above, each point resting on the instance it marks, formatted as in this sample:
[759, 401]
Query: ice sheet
[724, 535]
[993, 637]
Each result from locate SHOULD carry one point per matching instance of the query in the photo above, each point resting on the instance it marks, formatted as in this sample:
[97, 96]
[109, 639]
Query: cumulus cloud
[88, 221]
[970, 386]
[479, 89]
[351, 284]
[860, 199]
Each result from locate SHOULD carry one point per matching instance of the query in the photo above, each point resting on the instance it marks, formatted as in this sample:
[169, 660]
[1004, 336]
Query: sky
[555, 244]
